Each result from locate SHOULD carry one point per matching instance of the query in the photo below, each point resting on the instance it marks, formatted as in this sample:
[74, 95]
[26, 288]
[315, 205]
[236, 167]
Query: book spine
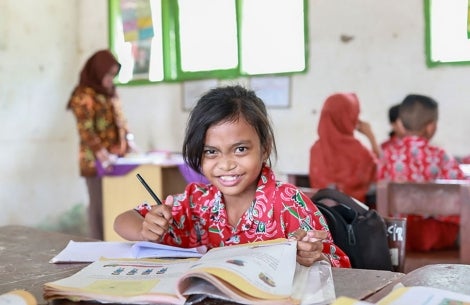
[17, 297]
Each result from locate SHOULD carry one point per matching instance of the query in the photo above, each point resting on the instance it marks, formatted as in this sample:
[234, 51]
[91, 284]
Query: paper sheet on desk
[144, 249]
[87, 252]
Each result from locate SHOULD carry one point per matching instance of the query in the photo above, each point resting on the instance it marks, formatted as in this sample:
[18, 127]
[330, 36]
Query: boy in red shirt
[415, 159]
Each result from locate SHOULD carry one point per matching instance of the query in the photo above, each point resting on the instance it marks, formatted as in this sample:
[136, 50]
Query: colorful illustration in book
[118, 271]
[266, 279]
[237, 262]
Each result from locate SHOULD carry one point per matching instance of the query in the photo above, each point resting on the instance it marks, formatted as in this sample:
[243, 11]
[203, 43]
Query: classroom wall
[374, 48]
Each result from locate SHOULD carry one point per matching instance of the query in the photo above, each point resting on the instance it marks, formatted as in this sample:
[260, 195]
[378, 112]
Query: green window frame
[258, 39]
[447, 38]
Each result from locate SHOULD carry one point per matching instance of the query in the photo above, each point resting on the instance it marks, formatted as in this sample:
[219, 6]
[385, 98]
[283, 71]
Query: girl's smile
[232, 159]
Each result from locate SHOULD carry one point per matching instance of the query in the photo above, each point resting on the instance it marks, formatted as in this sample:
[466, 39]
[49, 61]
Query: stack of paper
[85, 252]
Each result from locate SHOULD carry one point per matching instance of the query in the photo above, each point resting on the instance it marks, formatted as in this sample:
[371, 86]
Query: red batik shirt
[414, 159]
[278, 210]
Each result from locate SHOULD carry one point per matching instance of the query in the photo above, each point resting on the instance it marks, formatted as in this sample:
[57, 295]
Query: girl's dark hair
[393, 115]
[225, 104]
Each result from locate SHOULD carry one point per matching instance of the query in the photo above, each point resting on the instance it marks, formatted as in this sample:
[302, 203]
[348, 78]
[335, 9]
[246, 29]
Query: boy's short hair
[416, 111]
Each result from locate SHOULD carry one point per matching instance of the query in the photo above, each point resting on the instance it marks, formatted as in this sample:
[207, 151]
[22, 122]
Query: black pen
[147, 187]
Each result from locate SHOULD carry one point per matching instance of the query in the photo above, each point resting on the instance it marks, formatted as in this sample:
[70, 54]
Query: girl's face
[107, 81]
[232, 159]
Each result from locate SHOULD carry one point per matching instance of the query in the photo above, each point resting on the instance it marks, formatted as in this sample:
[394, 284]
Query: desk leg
[465, 225]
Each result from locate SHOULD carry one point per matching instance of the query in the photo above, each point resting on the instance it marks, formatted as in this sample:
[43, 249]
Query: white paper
[146, 249]
[419, 295]
[416, 295]
[87, 252]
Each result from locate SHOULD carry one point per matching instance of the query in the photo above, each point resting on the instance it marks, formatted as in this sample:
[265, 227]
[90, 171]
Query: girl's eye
[209, 152]
[241, 149]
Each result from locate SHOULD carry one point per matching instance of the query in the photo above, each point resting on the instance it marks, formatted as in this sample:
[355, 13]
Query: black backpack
[360, 232]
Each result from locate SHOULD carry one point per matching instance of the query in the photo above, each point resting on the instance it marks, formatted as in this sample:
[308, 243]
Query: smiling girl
[229, 139]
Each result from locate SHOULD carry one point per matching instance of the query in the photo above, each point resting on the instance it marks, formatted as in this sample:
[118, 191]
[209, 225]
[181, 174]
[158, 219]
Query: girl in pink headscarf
[337, 159]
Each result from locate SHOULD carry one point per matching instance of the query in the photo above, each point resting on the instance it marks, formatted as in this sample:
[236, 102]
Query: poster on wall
[137, 26]
[273, 90]
[141, 51]
[193, 90]
[136, 20]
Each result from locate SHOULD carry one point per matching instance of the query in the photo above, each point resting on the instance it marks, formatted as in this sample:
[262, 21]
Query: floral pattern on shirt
[278, 210]
[414, 159]
[100, 123]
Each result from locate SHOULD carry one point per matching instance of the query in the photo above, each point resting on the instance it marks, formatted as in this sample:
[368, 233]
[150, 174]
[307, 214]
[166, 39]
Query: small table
[25, 253]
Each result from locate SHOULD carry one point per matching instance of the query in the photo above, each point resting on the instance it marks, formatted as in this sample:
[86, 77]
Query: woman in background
[102, 129]
[338, 159]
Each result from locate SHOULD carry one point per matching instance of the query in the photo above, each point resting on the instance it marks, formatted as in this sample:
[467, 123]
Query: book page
[123, 281]
[262, 270]
[147, 249]
[87, 252]
[349, 301]
[418, 295]
[415, 295]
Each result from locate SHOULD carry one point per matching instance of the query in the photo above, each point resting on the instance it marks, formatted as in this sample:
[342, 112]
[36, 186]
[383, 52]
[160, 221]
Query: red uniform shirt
[277, 210]
[414, 159]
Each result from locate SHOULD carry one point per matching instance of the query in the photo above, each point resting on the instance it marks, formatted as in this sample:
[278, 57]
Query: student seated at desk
[338, 159]
[415, 159]
[397, 131]
[229, 139]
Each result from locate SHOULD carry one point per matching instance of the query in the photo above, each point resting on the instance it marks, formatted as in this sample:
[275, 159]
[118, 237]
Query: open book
[416, 295]
[256, 273]
[90, 251]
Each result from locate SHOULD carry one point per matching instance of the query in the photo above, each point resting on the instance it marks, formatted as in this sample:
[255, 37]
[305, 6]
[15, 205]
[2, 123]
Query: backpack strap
[339, 197]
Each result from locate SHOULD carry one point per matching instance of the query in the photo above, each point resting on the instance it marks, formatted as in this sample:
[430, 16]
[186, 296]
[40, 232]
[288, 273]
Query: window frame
[429, 23]
[172, 71]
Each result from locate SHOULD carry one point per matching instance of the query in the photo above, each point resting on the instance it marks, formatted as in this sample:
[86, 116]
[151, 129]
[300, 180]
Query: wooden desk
[25, 253]
[452, 277]
[447, 197]
[121, 193]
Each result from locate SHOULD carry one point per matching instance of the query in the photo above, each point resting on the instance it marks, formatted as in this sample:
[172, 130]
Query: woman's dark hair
[225, 104]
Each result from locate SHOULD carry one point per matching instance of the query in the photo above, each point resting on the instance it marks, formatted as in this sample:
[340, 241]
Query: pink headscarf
[337, 157]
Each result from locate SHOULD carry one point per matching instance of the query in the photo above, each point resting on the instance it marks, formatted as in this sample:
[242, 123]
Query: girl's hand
[157, 221]
[365, 128]
[310, 246]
